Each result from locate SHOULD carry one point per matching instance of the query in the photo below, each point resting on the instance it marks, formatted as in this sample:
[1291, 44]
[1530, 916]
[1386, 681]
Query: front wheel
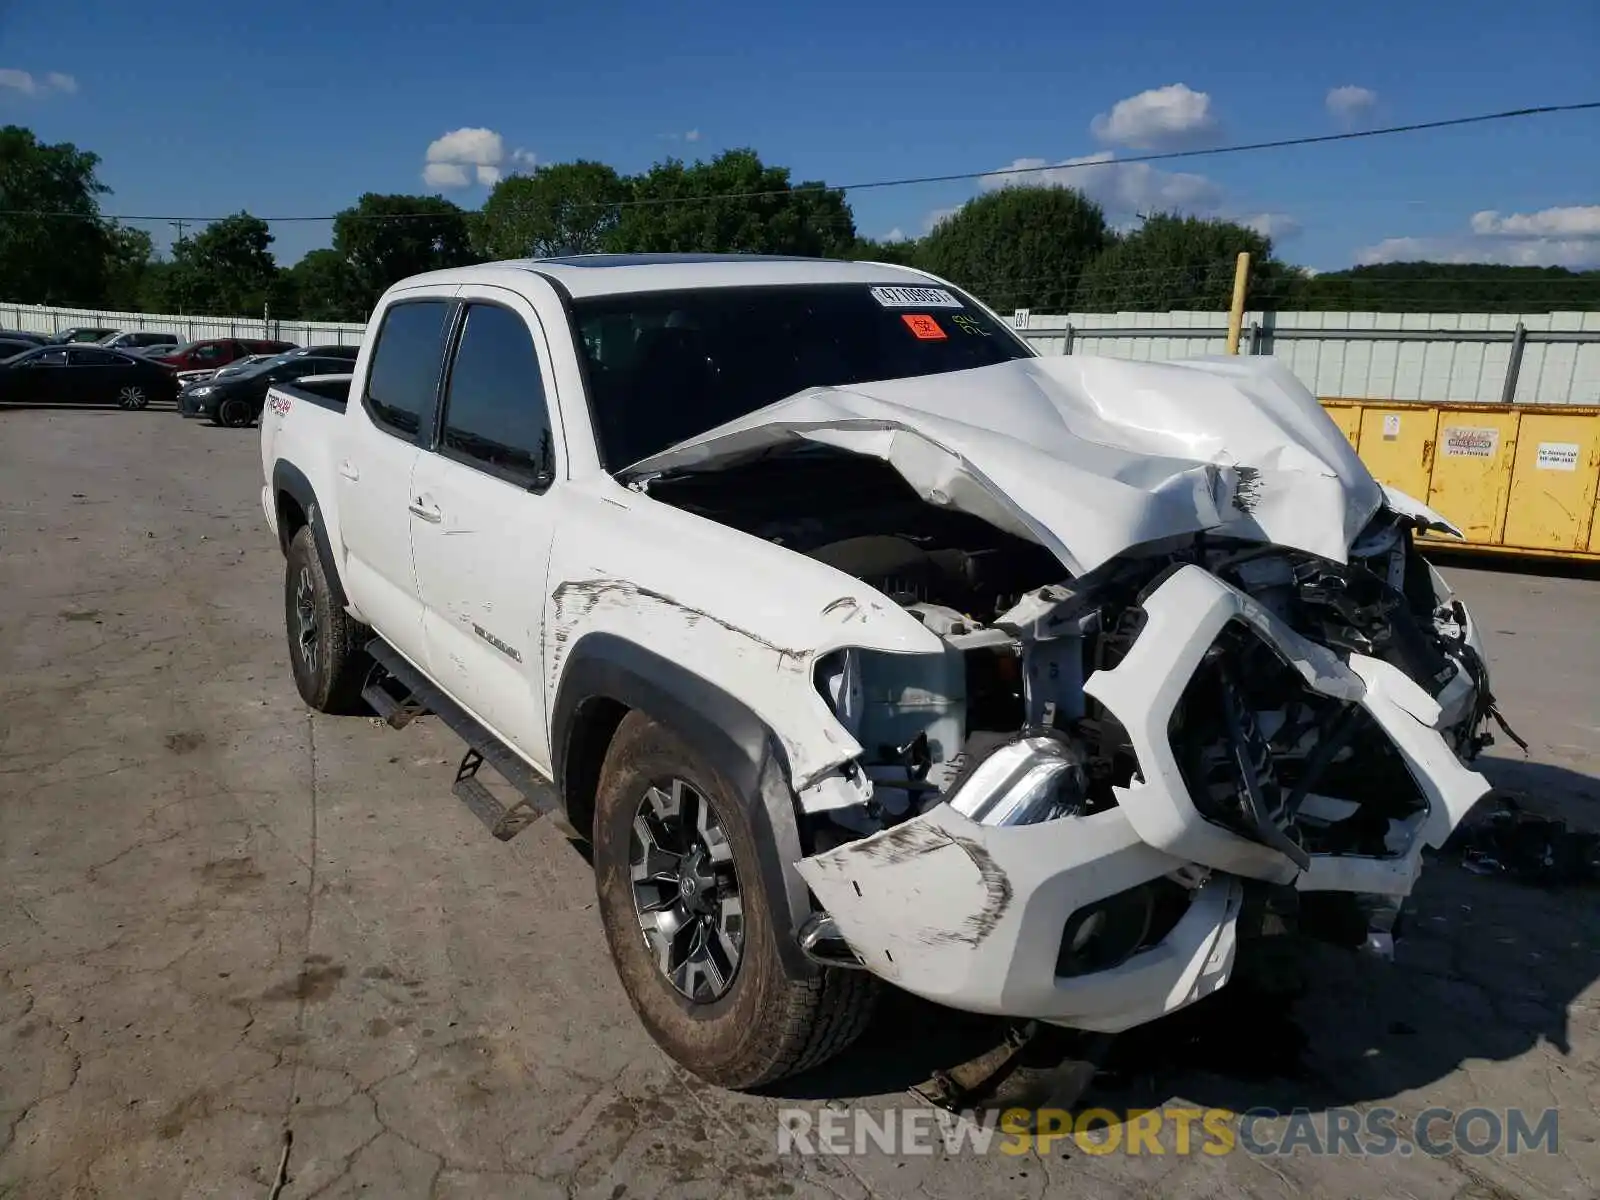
[325, 644]
[234, 413]
[683, 899]
[132, 397]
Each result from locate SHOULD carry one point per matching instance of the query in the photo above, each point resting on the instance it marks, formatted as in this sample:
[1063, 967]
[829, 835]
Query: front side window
[496, 416]
[405, 365]
[666, 366]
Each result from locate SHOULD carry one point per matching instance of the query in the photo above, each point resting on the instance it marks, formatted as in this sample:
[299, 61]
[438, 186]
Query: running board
[399, 693]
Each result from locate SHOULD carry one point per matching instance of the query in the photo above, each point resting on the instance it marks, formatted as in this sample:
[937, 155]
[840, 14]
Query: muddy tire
[325, 645]
[736, 1017]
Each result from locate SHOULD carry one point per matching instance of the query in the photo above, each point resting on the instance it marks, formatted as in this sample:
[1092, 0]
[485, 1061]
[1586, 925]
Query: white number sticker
[914, 297]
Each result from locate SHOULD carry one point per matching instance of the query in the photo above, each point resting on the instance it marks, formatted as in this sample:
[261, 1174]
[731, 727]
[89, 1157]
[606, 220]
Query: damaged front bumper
[1107, 920]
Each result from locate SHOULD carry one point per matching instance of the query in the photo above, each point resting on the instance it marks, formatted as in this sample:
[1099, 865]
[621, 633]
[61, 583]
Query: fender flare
[736, 743]
[291, 480]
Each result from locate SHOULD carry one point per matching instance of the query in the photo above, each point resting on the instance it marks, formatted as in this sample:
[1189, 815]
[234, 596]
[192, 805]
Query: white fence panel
[1377, 356]
[1363, 355]
[37, 318]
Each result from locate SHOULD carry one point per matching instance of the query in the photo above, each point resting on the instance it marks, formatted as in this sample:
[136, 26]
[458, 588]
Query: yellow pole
[1241, 273]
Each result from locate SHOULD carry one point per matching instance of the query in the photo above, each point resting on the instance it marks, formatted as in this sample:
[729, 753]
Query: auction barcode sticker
[1557, 456]
[1467, 441]
[914, 297]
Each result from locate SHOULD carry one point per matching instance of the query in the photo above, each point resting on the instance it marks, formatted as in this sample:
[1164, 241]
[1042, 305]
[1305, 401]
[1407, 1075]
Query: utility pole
[179, 224]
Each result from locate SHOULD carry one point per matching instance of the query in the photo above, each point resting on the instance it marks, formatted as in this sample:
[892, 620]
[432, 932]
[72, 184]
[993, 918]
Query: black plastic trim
[731, 740]
[290, 479]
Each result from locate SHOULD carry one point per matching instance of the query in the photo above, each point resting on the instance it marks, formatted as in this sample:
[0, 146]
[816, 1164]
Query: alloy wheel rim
[686, 891]
[305, 608]
[131, 397]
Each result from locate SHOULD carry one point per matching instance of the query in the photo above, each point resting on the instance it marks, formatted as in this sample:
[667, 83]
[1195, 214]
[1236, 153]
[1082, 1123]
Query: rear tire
[132, 397]
[326, 645]
[763, 1022]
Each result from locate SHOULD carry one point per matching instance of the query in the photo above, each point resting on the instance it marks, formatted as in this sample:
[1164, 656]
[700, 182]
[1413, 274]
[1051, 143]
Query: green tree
[564, 208]
[906, 253]
[385, 239]
[1450, 287]
[1174, 262]
[1018, 247]
[325, 288]
[224, 270]
[53, 244]
[128, 255]
[734, 203]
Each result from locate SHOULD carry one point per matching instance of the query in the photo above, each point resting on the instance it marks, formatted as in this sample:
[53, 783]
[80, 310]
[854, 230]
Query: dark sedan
[84, 375]
[236, 400]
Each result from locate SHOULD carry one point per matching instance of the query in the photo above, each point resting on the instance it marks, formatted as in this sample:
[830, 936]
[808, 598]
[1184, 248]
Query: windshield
[665, 366]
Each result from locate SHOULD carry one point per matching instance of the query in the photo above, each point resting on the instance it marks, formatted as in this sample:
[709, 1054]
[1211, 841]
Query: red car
[216, 352]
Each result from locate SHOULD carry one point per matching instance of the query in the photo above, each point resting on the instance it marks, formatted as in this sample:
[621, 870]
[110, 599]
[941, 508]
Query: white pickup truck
[860, 641]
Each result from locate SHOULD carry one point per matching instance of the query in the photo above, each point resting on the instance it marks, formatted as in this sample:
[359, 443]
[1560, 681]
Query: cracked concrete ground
[221, 918]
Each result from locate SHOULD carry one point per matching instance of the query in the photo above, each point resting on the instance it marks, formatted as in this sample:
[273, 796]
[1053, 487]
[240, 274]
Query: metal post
[1066, 346]
[1255, 337]
[1519, 338]
[1241, 273]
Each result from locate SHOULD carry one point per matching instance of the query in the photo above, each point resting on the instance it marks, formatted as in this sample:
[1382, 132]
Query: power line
[954, 177]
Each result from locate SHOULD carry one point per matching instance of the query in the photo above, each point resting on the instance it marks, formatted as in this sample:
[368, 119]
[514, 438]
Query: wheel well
[594, 724]
[291, 519]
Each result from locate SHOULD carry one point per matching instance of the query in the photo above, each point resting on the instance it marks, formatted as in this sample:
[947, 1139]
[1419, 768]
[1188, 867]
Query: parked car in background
[211, 353]
[347, 353]
[141, 341]
[13, 346]
[22, 335]
[75, 374]
[234, 398]
[80, 333]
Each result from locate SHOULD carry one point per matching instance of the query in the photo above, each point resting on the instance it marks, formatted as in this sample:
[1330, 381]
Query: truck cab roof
[585, 275]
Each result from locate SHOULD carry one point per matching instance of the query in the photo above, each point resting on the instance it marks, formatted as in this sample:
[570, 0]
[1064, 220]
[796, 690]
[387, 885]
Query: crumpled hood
[1087, 456]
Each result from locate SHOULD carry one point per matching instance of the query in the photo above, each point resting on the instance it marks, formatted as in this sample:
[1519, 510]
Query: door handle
[427, 512]
[348, 470]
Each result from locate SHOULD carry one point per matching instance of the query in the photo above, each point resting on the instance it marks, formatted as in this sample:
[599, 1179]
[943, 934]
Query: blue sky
[296, 108]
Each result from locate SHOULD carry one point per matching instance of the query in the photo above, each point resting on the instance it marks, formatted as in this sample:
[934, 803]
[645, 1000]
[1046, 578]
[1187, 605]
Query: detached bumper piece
[1012, 901]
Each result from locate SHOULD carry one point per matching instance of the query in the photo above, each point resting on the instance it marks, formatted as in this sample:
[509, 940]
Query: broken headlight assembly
[1036, 776]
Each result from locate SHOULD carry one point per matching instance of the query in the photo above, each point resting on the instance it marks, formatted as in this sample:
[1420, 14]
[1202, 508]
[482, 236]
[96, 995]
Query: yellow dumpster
[1514, 479]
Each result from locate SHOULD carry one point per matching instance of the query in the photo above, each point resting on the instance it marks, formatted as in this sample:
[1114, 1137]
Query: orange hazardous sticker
[924, 326]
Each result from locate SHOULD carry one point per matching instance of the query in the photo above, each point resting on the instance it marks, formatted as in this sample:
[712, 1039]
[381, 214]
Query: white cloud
[1165, 116]
[692, 136]
[462, 155]
[1350, 103]
[896, 235]
[1122, 189]
[30, 85]
[1551, 237]
[1277, 226]
[1574, 221]
[445, 175]
[938, 215]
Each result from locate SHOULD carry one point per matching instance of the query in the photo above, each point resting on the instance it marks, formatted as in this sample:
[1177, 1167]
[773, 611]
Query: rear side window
[495, 415]
[405, 365]
[93, 358]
